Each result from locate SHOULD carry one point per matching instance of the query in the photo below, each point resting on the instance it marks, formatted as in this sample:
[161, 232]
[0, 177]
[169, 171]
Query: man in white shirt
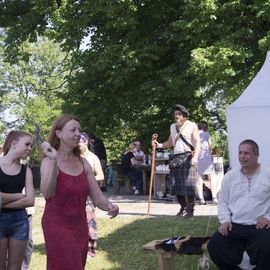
[244, 214]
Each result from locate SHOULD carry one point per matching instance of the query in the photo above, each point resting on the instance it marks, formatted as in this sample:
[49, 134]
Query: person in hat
[185, 140]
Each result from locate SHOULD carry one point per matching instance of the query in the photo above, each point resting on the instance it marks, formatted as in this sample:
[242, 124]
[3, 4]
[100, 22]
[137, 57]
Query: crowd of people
[71, 173]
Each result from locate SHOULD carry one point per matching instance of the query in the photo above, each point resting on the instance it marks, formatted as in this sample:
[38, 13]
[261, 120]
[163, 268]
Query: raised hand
[49, 151]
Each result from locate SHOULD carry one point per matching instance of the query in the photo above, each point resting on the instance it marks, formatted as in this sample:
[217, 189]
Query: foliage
[30, 89]
[145, 56]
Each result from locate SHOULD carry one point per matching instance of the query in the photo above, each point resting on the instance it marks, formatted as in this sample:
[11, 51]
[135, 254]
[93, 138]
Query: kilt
[185, 179]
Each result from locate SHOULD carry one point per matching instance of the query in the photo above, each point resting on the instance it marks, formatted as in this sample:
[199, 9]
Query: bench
[166, 259]
[120, 178]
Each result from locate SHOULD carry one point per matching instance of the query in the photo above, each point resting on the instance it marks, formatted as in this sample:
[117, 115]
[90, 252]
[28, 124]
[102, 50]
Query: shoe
[202, 202]
[215, 201]
[188, 215]
[181, 212]
[104, 189]
[132, 190]
[190, 210]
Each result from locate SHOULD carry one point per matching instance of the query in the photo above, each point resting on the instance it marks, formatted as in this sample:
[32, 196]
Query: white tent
[249, 117]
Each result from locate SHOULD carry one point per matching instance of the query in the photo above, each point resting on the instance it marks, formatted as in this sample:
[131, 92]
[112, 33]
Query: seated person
[128, 168]
[139, 154]
[244, 213]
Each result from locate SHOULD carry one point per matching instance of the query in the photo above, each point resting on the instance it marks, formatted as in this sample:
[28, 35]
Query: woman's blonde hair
[130, 148]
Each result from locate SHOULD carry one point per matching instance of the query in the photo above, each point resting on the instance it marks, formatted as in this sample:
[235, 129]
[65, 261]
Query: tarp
[249, 117]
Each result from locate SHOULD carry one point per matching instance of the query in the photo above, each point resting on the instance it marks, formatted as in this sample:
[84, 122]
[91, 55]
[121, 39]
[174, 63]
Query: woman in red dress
[66, 181]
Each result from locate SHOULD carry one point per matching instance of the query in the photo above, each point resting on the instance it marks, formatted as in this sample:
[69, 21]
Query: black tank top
[12, 184]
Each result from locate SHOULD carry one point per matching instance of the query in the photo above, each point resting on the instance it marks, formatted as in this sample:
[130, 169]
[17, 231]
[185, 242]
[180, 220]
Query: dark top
[126, 165]
[99, 149]
[12, 184]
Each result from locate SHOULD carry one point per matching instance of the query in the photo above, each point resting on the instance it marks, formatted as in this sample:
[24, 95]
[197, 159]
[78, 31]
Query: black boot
[182, 211]
[183, 204]
[190, 210]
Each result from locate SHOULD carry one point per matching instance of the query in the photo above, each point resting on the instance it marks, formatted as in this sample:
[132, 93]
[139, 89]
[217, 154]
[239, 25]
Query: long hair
[14, 135]
[59, 124]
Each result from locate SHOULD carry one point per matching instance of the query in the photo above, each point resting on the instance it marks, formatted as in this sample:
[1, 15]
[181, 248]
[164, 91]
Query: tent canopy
[249, 117]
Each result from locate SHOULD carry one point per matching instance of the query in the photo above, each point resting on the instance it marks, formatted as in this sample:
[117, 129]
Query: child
[14, 177]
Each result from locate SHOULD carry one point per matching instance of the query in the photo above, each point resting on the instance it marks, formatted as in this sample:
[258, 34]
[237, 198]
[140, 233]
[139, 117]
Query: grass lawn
[121, 239]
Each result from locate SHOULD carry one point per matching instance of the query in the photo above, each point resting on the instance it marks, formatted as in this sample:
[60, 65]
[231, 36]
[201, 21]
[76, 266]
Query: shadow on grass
[124, 247]
[40, 249]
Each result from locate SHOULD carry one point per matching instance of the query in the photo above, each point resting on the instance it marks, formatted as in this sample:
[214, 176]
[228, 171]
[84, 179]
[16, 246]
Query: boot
[190, 210]
[182, 211]
[182, 201]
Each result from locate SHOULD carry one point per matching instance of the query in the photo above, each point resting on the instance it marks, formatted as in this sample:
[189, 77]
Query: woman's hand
[49, 151]
[113, 210]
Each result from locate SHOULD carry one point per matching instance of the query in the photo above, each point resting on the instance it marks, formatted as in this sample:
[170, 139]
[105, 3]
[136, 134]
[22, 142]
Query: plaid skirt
[185, 179]
[92, 228]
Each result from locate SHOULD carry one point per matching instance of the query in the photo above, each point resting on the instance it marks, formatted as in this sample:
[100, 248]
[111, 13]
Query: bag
[184, 245]
[178, 160]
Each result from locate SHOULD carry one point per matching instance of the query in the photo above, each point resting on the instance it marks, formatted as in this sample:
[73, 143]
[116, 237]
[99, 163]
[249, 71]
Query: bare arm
[96, 195]
[11, 197]
[48, 171]
[138, 158]
[197, 147]
[166, 144]
[29, 197]
[97, 169]
[48, 176]
[209, 142]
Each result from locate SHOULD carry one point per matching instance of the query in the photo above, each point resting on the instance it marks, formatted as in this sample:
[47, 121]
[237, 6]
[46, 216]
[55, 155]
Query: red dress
[64, 223]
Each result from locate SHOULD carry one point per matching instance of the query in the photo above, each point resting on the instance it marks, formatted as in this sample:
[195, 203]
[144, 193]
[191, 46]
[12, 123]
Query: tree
[30, 89]
[145, 56]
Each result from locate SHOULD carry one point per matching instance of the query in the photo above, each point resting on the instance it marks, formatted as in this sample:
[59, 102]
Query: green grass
[121, 239]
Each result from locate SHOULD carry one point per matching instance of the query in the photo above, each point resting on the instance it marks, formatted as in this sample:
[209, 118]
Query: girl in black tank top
[14, 178]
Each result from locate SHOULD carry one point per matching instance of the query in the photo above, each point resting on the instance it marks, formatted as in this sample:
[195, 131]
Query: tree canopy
[145, 56]
[30, 89]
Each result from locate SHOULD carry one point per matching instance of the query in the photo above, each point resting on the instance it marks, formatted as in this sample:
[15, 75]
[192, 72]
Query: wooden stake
[154, 138]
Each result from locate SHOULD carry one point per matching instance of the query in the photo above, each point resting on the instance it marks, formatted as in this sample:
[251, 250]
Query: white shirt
[186, 130]
[243, 201]
[139, 154]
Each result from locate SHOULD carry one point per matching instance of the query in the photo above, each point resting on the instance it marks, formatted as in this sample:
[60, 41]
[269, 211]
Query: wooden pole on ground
[154, 138]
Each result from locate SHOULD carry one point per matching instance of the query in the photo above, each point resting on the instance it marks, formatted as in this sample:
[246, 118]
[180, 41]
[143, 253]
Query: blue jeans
[14, 225]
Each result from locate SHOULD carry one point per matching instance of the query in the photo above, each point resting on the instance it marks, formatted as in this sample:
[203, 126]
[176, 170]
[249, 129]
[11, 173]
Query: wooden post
[165, 259]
